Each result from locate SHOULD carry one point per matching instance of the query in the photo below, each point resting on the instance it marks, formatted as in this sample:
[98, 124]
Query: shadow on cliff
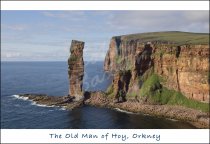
[144, 60]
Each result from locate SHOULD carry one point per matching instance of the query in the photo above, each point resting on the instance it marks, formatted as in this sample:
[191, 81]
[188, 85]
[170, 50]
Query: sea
[51, 78]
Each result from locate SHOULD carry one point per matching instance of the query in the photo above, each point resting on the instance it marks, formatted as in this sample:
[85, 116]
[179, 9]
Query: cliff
[76, 69]
[161, 62]
[160, 74]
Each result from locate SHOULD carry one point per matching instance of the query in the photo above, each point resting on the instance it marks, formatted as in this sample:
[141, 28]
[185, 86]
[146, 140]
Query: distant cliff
[159, 63]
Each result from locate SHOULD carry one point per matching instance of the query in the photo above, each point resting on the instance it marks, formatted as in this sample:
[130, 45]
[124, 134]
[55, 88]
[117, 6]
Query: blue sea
[51, 78]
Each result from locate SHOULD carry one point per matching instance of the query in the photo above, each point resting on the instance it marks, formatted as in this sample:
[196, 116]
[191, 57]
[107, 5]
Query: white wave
[42, 105]
[124, 111]
[20, 97]
[36, 104]
[63, 108]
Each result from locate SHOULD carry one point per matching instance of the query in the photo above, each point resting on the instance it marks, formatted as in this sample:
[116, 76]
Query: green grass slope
[173, 37]
[156, 93]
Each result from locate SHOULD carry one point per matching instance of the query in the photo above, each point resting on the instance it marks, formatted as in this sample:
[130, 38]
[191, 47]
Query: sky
[47, 35]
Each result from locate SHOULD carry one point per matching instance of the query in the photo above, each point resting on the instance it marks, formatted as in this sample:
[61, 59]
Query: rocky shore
[196, 117]
[58, 101]
[99, 99]
[163, 74]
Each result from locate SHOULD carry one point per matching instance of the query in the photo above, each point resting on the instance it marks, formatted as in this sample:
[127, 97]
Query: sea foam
[52, 106]
[42, 105]
[124, 111]
[20, 97]
[35, 104]
[63, 108]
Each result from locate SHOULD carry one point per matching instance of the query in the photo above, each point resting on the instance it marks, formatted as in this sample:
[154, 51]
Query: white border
[104, 5]
[43, 136]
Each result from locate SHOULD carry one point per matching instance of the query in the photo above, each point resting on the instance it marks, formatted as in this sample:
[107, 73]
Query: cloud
[50, 38]
[66, 15]
[16, 27]
[197, 16]
[144, 21]
[95, 51]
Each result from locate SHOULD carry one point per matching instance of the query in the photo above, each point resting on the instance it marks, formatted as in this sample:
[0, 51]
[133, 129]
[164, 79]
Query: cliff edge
[160, 68]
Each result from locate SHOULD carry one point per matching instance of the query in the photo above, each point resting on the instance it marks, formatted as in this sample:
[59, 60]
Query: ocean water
[51, 78]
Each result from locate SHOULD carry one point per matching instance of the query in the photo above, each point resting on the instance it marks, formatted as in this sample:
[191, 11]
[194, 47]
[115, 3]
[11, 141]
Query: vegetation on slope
[153, 92]
[156, 93]
[151, 87]
[172, 37]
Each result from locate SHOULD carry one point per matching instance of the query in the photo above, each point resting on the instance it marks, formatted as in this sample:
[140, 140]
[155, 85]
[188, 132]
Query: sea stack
[76, 69]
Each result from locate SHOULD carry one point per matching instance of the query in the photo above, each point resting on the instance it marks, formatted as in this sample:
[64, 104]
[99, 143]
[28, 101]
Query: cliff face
[121, 85]
[120, 54]
[186, 70]
[76, 69]
[183, 65]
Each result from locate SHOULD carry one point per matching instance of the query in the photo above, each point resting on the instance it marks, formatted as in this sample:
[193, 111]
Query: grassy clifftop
[173, 37]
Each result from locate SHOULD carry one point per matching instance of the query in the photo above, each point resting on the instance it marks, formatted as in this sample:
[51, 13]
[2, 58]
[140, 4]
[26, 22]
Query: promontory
[164, 74]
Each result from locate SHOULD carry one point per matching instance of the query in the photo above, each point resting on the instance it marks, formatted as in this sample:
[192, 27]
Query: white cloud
[95, 51]
[16, 27]
[50, 39]
[66, 15]
[145, 21]
[197, 16]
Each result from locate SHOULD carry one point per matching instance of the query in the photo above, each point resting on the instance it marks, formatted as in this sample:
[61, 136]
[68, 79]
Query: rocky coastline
[195, 117]
[99, 99]
[163, 74]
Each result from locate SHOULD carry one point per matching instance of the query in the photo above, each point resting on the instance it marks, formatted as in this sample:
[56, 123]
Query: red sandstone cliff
[76, 69]
[182, 59]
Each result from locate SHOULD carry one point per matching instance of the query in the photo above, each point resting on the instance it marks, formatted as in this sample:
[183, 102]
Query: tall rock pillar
[76, 69]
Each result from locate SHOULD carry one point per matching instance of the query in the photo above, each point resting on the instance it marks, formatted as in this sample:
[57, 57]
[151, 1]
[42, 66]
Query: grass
[153, 90]
[150, 85]
[172, 97]
[155, 93]
[174, 37]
